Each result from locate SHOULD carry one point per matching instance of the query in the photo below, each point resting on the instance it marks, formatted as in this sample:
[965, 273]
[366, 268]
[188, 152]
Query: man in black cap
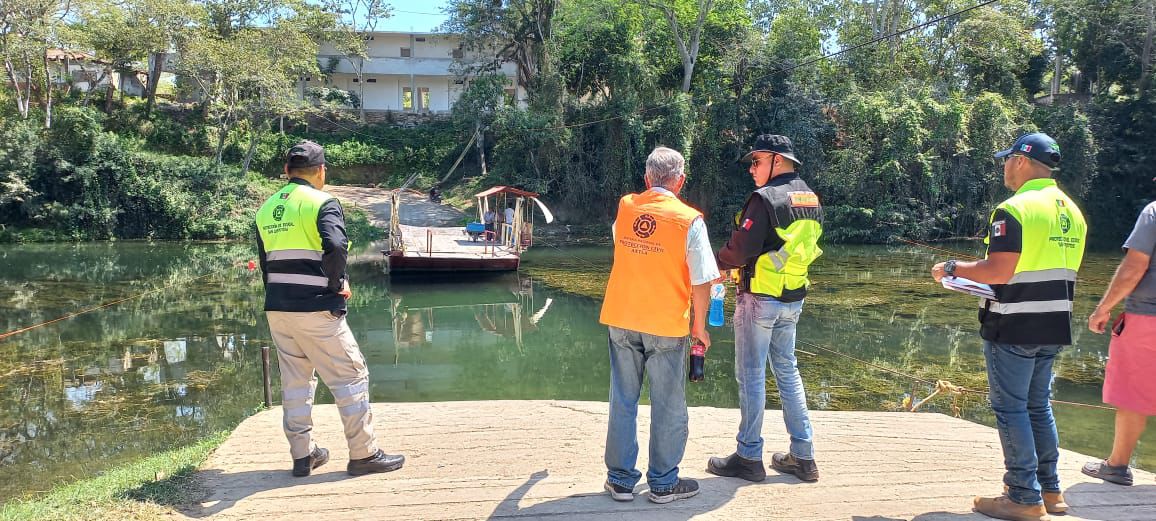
[303, 247]
[774, 241]
[1035, 248]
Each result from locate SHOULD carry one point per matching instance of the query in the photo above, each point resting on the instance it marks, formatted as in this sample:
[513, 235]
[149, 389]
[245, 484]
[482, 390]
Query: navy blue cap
[305, 154]
[1038, 146]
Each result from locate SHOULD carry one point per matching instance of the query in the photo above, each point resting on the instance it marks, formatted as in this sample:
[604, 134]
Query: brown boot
[1004, 508]
[1053, 501]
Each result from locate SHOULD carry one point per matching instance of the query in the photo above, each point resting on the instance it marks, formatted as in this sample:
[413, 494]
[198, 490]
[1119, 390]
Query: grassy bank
[143, 490]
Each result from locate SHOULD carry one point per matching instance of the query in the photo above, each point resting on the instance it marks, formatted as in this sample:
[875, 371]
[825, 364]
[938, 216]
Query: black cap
[775, 144]
[1038, 146]
[305, 154]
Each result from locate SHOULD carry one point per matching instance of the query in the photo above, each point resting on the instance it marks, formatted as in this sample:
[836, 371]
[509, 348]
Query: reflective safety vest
[294, 278]
[649, 289]
[798, 220]
[1035, 306]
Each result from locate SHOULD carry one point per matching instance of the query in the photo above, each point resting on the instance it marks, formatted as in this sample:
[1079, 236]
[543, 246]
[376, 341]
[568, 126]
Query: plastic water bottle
[717, 292]
[697, 361]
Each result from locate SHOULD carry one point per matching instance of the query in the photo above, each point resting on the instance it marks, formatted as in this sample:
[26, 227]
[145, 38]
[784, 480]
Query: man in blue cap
[1035, 247]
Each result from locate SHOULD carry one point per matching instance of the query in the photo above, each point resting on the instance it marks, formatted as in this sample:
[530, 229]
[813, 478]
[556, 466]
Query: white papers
[970, 287]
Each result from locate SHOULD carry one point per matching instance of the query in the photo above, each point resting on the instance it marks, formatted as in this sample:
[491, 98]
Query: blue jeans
[765, 327]
[664, 361]
[1020, 377]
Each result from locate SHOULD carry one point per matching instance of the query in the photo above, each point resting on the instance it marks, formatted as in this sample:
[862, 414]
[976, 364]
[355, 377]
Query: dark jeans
[1020, 377]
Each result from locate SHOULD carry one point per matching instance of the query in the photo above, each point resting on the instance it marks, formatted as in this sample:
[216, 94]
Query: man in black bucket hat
[774, 241]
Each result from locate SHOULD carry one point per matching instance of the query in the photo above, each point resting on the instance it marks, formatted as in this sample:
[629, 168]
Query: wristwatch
[949, 268]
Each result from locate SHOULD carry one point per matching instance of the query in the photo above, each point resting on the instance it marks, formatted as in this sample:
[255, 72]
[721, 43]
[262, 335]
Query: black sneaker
[804, 469]
[1121, 475]
[735, 466]
[619, 492]
[683, 489]
[304, 466]
[379, 462]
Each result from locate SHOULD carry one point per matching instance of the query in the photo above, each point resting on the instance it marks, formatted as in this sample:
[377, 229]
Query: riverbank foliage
[897, 136]
[895, 108]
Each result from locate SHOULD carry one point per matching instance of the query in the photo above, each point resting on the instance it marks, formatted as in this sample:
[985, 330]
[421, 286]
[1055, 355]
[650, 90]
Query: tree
[28, 29]
[687, 40]
[516, 30]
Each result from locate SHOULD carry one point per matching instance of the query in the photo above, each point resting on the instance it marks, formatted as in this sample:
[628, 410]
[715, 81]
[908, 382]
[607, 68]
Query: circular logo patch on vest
[279, 212]
[644, 225]
[1065, 223]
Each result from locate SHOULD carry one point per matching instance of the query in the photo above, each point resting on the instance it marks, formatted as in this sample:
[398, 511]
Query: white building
[405, 72]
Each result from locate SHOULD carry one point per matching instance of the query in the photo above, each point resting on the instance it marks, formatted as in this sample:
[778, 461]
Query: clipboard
[969, 287]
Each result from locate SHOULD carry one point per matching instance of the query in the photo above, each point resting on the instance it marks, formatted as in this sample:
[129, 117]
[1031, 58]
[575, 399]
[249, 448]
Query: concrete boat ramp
[543, 460]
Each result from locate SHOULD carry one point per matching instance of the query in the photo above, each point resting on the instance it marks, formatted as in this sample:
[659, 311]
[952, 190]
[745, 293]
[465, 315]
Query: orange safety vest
[649, 287]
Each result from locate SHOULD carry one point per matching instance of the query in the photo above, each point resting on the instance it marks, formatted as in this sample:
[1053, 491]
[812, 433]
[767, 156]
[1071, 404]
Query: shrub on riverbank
[77, 181]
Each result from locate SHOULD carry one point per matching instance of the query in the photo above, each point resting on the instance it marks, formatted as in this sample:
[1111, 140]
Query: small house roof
[505, 190]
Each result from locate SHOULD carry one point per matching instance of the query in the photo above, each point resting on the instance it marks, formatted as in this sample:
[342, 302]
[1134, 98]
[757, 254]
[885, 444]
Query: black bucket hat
[774, 144]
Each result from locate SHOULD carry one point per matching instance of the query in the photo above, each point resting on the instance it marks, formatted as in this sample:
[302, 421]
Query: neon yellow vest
[1035, 306]
[798, 215]
[288, 220]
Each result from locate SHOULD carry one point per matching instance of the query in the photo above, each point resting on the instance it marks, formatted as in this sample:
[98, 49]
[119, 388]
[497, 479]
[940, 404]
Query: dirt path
[416, 210]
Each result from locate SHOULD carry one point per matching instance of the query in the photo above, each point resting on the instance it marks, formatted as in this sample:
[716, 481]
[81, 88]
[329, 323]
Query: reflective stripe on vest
[287, 223]
[1035, 306]
[798, 216]
[649, 286]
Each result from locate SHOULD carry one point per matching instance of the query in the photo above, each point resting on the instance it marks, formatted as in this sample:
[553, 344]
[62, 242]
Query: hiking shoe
[304, 466]
[1004, 508]
[1053, 501]
[1121, 475]
[619, 492]
[379, 462]
[735, 466]
[804, 469]
[683, 489]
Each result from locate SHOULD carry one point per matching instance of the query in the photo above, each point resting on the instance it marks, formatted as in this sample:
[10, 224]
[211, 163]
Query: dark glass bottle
[697, 361]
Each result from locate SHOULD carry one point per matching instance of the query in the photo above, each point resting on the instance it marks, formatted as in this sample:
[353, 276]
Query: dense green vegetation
[896, 133]
[896, 136]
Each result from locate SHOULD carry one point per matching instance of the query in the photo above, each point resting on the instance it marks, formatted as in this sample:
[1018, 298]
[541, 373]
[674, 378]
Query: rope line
[108, 304]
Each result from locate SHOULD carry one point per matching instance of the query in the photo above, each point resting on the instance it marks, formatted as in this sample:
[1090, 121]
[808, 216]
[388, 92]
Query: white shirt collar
[662, 190]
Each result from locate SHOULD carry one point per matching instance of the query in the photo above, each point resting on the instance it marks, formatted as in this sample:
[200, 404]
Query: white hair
[664, 167]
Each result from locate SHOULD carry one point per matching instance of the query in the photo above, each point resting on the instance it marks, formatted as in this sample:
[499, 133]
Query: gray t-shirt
[1142, 301]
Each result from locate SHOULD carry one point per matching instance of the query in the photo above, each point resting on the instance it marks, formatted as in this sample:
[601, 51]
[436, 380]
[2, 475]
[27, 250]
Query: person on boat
[1128, 381]
[302, 248]
[774, 241]
[1035, 245]
[662, 271]
[488, 219]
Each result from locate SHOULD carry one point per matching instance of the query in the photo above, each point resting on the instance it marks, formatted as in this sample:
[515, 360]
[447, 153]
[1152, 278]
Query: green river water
[156, 372]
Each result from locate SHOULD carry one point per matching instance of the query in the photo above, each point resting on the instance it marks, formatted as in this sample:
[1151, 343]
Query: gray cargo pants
[318, 342]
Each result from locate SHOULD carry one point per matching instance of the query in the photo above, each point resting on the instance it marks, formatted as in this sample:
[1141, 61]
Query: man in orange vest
[662, 263]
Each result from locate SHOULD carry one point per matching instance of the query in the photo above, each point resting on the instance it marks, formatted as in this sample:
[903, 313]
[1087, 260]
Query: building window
[420, 39]
[423, 98]
[511, 96]
[406, 52]
[457, 54]
[371, 80]
[406, 98]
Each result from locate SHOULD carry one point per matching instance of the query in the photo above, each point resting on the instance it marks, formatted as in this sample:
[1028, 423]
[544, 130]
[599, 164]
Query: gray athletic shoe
[683, 489]
[1121, 475]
